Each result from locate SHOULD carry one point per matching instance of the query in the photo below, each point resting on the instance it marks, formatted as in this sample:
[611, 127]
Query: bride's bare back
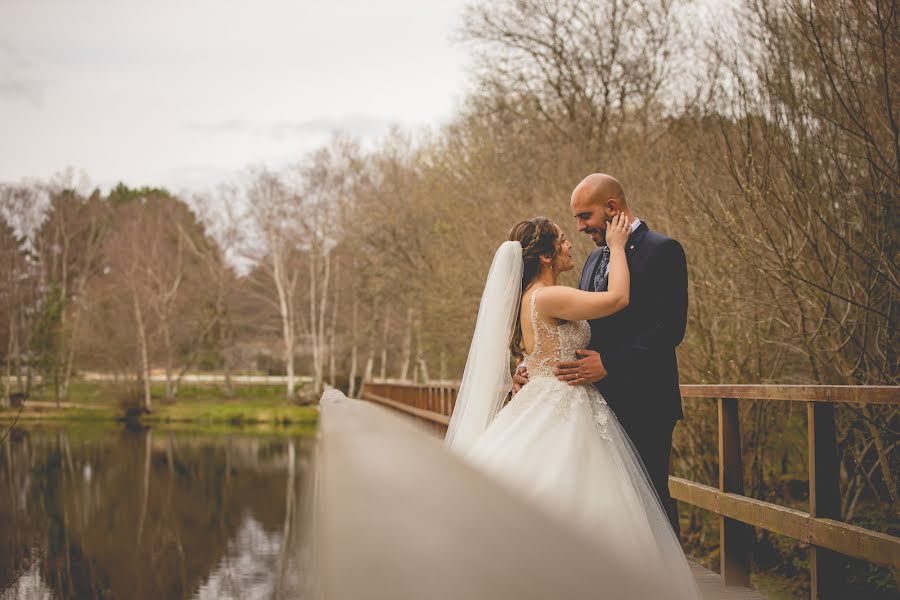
[549, 340]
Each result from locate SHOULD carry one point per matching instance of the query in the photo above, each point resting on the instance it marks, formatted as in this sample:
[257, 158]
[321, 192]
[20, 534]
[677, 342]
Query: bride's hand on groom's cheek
[585, 370]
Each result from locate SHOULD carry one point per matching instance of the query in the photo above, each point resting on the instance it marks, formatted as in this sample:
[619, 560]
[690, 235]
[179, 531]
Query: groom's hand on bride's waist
[520, 378]
[585, 370]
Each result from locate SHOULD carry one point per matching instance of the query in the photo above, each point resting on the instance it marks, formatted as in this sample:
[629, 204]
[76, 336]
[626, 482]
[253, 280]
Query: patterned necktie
[601, 270]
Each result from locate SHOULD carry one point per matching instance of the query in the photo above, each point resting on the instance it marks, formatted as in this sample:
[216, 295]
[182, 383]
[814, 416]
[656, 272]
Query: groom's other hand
[585, 370]
[520, 378]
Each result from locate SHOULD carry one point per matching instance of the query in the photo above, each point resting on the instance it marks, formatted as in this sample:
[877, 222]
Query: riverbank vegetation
[764, 137]
[198, 406]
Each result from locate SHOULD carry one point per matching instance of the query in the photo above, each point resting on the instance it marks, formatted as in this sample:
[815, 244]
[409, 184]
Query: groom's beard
[599, 239]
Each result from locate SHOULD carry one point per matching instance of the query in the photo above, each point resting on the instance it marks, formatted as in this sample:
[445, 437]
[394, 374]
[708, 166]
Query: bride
[559, 445]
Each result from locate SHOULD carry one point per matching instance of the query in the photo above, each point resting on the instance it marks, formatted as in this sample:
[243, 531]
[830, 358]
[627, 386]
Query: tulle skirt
[562, 447]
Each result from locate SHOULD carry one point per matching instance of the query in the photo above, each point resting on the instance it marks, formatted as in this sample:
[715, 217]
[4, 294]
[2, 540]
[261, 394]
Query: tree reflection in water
[151, 514]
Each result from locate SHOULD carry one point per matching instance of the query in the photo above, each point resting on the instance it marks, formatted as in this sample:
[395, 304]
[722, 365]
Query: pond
[108, 512]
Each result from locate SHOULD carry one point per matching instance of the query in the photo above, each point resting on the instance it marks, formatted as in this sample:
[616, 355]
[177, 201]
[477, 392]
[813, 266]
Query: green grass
[205, 406]
[232, 412]
[215, 393]
[100, 413]
[81, 392]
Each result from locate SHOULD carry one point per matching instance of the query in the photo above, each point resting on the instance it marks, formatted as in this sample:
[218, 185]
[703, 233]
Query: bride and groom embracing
[588, 432]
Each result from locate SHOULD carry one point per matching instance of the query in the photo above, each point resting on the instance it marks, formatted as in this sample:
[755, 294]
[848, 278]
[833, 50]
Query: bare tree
[807, 119]
[68, 246]
[21, 210]
[328, 180]
[125, 252]
[274, 213]
[219, 215]
[13, 293]
[581, 67]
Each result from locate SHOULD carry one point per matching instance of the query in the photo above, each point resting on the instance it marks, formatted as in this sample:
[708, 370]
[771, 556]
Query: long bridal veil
[486, 379]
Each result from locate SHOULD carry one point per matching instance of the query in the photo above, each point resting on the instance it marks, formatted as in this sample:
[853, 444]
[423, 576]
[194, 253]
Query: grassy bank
[201, 405]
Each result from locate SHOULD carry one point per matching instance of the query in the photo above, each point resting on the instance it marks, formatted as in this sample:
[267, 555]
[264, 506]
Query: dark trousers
[653, 442]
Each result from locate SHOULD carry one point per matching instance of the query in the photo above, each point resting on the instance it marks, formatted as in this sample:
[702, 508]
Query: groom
[631, 357]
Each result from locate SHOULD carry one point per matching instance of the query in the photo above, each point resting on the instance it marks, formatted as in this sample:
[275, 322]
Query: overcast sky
[186, 93]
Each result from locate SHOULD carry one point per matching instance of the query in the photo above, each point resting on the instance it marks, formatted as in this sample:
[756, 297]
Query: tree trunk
[406, 355]
[225, 337]
[70, 358]
[19, 383]
[229, 388]
[287, 323]
[370, 363]
[314, 325]
[142, 342]
[384, 339]
[167, 339]
[29, 375]
[7, 383]
[321, 341]
[332, 335]
[421, 365]
[354, 337]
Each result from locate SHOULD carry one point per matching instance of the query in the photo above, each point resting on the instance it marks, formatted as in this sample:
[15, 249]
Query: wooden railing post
[735, 538]
[824, 498]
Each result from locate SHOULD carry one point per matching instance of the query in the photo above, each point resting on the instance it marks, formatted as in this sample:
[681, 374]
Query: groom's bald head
[599, 188]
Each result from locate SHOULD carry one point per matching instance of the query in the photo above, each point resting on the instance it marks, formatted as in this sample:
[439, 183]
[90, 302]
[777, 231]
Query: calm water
[113, 513]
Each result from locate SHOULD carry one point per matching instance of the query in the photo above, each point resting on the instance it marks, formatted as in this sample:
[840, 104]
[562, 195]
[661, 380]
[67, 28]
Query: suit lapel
[635, 239]
[631, 246]
[587, 274]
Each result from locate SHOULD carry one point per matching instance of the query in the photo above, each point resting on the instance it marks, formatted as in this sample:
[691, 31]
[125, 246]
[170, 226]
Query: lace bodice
[553, 343]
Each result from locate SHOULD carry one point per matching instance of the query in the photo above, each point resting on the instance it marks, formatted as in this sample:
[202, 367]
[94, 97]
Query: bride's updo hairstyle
[539, 237]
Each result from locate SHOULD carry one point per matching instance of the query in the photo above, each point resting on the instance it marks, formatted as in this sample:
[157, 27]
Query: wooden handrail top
[428, 415]
[451, 385]
[853, 394]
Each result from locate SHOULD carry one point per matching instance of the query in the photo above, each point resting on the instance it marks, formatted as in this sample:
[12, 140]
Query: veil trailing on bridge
[486, 380]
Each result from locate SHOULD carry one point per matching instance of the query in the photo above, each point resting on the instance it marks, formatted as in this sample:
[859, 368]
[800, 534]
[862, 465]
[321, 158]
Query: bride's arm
[570, 304]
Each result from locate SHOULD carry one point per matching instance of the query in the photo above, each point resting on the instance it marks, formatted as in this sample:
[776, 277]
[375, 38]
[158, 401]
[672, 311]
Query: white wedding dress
[562, 447]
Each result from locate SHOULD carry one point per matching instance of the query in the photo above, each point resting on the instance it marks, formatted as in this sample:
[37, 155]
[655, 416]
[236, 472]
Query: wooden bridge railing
[821, 527]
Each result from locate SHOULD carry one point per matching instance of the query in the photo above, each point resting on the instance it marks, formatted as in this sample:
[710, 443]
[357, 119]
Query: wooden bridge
[828, 537]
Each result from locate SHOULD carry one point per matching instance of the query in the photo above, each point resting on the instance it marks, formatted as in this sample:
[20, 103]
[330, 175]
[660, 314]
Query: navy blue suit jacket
[637, 344]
